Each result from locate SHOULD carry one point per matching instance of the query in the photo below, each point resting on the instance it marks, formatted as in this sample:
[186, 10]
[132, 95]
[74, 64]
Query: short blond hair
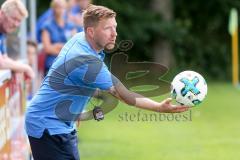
[93, 14]
[10, 5]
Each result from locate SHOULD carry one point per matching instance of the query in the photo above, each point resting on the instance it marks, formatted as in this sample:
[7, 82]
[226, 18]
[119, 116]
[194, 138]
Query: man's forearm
[15, 65]
[134, 99]
[141, 101]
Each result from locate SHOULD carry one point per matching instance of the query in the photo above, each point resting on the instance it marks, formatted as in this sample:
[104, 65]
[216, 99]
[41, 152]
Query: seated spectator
[75, 13]
[32, 61]
[31, 52]
[47, 15]
[12, 13]
[56, 32]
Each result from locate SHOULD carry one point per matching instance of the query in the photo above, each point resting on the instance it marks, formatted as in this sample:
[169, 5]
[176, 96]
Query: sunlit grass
[211, 133]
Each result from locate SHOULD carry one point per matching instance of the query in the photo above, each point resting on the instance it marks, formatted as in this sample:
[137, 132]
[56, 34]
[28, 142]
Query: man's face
[104, 34]
[12, 21]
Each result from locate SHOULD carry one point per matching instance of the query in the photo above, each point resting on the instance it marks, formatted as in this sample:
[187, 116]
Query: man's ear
[90, 32]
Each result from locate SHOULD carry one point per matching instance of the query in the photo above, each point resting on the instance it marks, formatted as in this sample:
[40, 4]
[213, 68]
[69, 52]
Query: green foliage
[201, 40]
[198, 33]
[42, 6]
[136, 22]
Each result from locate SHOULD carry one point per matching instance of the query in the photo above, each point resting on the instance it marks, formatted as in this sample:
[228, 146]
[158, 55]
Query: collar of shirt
[100, 55]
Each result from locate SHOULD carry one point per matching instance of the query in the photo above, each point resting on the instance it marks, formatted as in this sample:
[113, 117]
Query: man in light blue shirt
[41, 111]
[77, 73]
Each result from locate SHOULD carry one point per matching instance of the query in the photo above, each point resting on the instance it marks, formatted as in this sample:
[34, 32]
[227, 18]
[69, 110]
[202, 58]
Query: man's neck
[93, 44]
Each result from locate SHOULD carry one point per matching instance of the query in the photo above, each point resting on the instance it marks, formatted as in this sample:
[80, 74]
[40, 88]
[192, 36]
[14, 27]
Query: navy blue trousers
[55, 147]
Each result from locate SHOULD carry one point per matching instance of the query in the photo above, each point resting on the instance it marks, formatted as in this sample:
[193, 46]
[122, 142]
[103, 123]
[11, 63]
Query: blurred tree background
[182, 34]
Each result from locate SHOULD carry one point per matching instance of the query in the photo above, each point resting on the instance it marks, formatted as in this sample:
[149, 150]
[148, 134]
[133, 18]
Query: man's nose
[114, 33]
[17, 23]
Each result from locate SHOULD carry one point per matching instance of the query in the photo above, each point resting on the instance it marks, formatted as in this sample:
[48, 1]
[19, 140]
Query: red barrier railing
[13, 140]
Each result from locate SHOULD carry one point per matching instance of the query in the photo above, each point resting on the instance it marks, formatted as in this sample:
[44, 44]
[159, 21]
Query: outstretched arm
[134, 99]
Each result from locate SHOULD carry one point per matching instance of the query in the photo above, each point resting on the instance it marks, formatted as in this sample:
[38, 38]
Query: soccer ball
[188, 88]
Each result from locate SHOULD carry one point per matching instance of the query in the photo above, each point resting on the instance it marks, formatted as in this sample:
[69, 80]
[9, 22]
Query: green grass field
[210, 131]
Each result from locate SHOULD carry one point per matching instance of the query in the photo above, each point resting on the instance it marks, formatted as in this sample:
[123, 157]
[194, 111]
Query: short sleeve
[46, 26]
[104, 79]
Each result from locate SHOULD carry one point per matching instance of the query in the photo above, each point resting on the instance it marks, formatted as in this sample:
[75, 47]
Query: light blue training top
[74, 76]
